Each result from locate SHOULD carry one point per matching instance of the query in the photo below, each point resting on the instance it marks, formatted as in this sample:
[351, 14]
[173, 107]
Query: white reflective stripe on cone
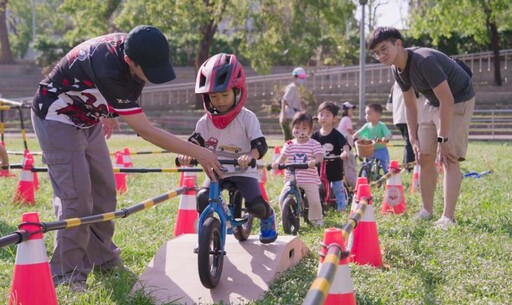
[368, 215]
[342, 282]
[31, 252]
[26, 175]
[188, 202]
[395, 180]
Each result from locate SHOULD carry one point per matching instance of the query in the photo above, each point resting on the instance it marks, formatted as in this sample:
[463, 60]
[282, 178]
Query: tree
[483, 20]
[5, 51]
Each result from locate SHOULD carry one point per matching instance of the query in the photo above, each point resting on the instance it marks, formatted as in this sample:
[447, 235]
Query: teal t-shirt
[371, 132]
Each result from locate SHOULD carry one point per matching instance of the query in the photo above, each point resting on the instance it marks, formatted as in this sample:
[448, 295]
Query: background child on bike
[374, 129]
[336, 149]
[346, 128]
[232, 132]
[303, 149]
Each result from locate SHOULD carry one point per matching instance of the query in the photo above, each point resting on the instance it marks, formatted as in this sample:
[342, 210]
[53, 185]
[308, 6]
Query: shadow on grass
[431, 280]
[121, 284]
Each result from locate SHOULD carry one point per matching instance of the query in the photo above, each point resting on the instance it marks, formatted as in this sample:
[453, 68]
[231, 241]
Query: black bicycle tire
[291, 221]
[210, 270]
[243, 232]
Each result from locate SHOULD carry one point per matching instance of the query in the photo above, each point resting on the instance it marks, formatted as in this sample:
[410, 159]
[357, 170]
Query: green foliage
[443, 18]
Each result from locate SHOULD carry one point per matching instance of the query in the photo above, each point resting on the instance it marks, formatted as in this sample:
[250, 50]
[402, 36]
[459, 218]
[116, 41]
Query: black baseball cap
[148, 47]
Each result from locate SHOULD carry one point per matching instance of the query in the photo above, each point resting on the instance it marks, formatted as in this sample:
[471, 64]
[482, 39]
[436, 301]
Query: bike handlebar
[194, 162]
[290, 166]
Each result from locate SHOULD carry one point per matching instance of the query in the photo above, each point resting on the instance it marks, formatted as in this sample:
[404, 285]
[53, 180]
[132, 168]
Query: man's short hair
[329, 106]
[375, 107]
[383, 34]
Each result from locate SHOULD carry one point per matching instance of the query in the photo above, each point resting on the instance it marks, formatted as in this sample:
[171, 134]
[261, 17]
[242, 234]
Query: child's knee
[259, 208]
[202, 199]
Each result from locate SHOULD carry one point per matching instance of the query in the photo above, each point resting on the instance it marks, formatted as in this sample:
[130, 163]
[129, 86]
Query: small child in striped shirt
[303, 149]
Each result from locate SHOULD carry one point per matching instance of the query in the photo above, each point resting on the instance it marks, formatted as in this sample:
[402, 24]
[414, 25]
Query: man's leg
[458, 141]
[427, 137]
[101, 249]
[287, 131]
[428, 181]
[451, 182]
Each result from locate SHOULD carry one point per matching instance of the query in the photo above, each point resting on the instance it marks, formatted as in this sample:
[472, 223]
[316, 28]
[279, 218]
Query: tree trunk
[5, 47]
[207, 32]
[495, 38]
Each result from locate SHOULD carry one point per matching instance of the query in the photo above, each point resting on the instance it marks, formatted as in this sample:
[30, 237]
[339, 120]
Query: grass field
[468, 264]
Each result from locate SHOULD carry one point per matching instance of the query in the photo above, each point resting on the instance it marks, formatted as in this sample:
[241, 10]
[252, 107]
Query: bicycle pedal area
[249, 269]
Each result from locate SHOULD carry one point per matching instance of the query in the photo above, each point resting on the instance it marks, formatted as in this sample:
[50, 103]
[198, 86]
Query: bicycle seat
[228, 185]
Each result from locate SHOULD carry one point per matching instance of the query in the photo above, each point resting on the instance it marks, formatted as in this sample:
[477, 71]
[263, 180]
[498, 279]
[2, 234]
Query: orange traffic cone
[121, 186]
[127, 158]
[341, 290]
[360, 180]
[187, 213]
[277, 154]
[32, 281]
[29, 155]
[365, 249]
[25, 192]
[262, 178]
[415, 185]
[394, 199]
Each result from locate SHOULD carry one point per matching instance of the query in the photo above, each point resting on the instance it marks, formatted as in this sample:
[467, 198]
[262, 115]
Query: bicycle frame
[328, 197]
[217, 205]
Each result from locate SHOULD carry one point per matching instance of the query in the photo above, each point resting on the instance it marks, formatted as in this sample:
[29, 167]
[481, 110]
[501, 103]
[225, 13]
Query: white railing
[321, 79]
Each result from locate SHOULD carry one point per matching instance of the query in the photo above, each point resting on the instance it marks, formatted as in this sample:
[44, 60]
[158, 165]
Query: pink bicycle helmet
[300, 73]
[220, 73]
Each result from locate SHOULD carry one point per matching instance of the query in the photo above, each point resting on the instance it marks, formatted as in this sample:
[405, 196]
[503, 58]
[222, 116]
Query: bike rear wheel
[242, 232]
[289, 213]
[210, 254]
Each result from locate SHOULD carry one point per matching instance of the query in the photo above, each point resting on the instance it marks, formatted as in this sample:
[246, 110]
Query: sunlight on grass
[468, 264]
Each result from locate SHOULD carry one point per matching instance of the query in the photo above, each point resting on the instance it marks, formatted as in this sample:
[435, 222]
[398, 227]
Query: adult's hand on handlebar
[210, 164]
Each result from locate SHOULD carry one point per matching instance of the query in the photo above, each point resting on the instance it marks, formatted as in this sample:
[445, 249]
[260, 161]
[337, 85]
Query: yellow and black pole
[123, 213]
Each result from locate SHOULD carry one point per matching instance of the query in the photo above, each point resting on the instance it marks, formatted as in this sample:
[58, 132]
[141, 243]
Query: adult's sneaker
[444, 223]
[268, 229]
[423, 215]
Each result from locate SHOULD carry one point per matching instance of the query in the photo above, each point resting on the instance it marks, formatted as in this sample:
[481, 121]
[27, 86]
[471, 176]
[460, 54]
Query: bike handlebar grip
[192, 163]
[235, 162]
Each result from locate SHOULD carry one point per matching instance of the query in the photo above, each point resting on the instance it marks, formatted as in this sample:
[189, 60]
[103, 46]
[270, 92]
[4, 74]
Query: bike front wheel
[290, 215]
[242, 232]
[210, 253]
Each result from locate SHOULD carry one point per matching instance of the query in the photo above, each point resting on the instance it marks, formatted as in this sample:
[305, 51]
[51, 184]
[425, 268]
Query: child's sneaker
[268, 229]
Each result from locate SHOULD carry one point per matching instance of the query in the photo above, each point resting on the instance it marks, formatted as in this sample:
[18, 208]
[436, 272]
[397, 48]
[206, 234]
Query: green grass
[468, 264]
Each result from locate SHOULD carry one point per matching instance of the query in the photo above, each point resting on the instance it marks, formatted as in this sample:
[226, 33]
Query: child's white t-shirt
[232, 141]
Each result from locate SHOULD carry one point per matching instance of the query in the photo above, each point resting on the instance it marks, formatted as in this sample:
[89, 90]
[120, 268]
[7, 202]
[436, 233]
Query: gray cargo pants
[83, 184]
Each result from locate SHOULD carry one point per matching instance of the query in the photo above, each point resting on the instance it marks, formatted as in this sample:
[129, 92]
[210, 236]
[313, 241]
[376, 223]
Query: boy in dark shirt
[336, 149]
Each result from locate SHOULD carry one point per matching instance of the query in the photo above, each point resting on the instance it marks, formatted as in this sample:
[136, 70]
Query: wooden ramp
[249, 269]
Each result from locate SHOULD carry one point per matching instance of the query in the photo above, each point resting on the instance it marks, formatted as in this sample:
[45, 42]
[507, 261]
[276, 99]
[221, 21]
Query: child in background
[346, 129]
[232, 132]
[374, 129]
[333, 144]
[303, 149]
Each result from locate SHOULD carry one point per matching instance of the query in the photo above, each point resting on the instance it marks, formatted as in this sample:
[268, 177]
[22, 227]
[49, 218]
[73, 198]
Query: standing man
[73, 111]
[291, 101]
[443, 121]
